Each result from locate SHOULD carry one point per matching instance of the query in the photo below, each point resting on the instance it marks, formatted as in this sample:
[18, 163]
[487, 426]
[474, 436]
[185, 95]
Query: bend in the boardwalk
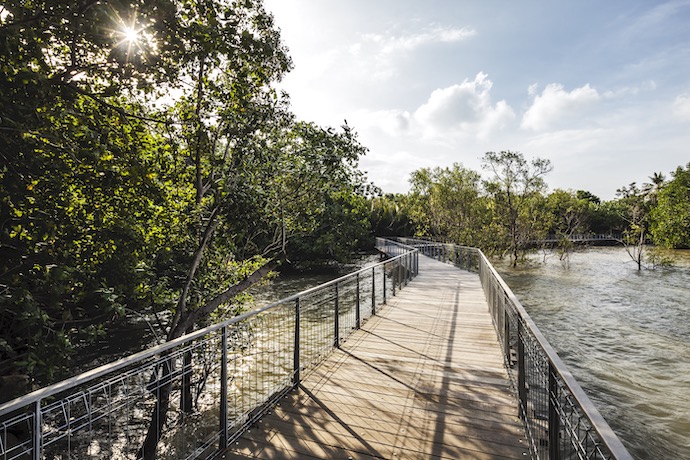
[423, 379]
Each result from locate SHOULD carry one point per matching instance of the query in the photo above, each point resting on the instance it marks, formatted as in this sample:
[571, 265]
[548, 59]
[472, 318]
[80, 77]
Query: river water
[624, 334]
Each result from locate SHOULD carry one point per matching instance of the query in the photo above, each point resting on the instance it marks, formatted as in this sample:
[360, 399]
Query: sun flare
[132, 38]
[130, 34]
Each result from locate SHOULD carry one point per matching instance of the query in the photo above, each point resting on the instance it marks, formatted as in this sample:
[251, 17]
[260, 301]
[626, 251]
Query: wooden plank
[423, 379]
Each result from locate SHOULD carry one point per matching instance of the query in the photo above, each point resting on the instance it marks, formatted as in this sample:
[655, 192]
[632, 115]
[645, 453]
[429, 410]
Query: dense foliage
[151, 169]
[511, 212]
[670, 218]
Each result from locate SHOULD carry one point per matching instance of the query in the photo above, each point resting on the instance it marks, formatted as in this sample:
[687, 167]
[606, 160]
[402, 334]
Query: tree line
[510, 210]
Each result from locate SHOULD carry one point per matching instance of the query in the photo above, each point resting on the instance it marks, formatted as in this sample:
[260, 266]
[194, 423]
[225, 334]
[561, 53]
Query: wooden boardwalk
[423, 379]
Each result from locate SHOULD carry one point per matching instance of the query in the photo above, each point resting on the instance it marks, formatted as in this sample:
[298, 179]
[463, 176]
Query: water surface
[624, 334]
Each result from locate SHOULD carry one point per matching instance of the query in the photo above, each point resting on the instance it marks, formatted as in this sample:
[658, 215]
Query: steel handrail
[93, 374]
[606, 435]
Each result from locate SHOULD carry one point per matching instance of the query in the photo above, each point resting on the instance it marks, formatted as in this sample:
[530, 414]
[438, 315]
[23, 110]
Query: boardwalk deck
[423, 379]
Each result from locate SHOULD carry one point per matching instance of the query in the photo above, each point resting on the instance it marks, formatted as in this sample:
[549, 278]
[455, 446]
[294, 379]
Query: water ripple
[625, 336]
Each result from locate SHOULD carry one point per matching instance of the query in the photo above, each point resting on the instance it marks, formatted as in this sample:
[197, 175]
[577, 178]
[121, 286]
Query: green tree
[607, 218]
[115, 197]
[635, 210]
[79, 143]
[323, 192]
[651, 190]
[447, 203]
[76, 179]
[390, 215]
[569, 217]
[587, 196]
[670, 219]
[515, 187]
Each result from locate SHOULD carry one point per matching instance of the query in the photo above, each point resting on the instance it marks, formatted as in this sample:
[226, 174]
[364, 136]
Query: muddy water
[624, 334]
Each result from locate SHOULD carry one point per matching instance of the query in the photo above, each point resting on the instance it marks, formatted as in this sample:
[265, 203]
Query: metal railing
[560, 420]
[580, 238]
[220, 379]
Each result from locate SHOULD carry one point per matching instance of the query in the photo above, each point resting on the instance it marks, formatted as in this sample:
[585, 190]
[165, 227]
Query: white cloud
[630, 91]
[555, 107]
[377, 55]
[388, 43]
[390, 122]
[569, 142]
[463, 109]
[681, 107]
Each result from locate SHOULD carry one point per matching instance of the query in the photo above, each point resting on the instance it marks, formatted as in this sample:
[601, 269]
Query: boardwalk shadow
[423, 380]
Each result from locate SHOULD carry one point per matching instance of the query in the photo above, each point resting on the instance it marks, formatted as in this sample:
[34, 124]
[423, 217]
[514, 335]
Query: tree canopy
[149, 167]
[670, 218]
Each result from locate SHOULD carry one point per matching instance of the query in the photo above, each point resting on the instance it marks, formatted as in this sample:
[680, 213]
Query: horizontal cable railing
[580, 238]
[560, 420]
[218, 380]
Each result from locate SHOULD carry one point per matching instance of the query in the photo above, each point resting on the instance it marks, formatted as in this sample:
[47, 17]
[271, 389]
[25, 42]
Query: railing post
[296, 378]
[522, 387]
[394, 276]
[223, 443]
[384, 283]
[358, 315]
[506, 330]
[38, 431]
[337, 318]
[554, 422]
[373, 290]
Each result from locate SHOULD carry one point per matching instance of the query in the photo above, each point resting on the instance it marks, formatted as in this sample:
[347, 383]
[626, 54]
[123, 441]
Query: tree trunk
[186, 400]
[186, 324]
[158, 415]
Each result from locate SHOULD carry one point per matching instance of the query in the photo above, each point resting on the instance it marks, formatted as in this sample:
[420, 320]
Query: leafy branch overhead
[148, 165]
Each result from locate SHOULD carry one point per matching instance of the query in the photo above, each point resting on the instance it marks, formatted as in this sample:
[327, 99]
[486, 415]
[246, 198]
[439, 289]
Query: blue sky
[601, 88]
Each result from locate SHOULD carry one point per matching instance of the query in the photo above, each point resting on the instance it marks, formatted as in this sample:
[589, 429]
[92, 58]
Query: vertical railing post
[384, 282]
[394, 276]
[296, 377]
[401, 273]
[373, 290]
[336, 333]
[223, 443]
[554, 422]
[358, 315]
[506, 330]
[522, 378]
[38, 431]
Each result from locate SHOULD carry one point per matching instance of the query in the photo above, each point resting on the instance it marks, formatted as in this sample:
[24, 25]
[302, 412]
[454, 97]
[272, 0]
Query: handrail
[159, 349]
[89, 413]
[516, 329]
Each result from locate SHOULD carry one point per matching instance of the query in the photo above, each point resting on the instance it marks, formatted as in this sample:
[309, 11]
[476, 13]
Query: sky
[600, 88]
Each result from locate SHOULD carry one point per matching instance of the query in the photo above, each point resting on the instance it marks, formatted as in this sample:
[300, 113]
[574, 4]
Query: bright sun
[130, 34]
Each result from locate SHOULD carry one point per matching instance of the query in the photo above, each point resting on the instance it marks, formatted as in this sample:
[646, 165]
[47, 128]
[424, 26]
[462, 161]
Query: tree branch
[210, 229]
[122, 112]
[229, 294]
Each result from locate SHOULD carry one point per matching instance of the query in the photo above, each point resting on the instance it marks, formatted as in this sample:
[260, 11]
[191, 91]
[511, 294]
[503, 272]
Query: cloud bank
[555, 107]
